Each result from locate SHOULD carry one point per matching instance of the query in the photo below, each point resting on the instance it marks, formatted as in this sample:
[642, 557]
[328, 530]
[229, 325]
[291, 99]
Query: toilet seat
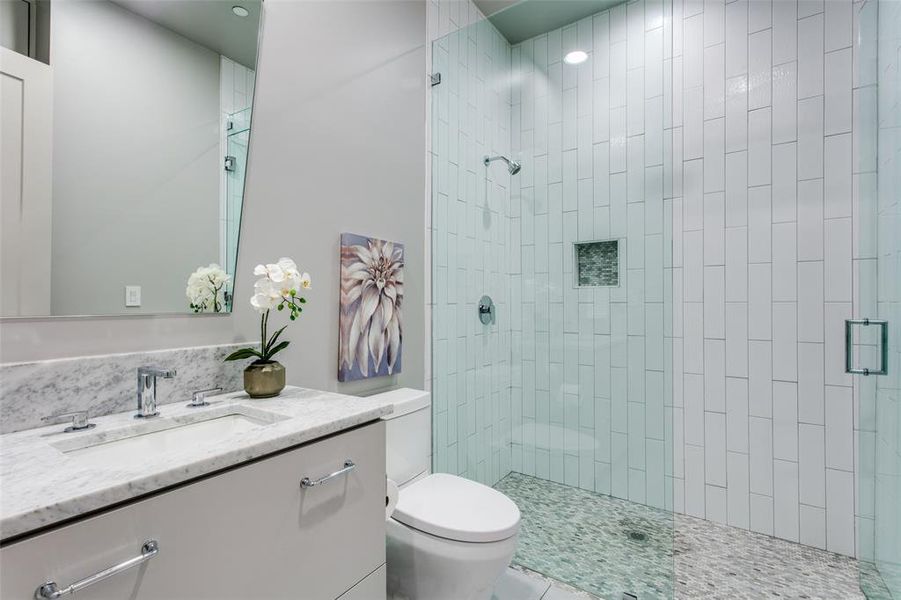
[457, 509]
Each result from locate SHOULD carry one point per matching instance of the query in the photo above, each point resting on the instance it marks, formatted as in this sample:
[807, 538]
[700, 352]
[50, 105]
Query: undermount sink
[166, 434]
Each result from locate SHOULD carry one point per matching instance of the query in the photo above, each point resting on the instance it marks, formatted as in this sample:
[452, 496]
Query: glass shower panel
[470, 230]
[564, 402]
[879, 188]
[237, 138]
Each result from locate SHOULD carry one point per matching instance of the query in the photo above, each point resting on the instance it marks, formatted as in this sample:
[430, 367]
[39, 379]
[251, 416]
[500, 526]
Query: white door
[26, 118]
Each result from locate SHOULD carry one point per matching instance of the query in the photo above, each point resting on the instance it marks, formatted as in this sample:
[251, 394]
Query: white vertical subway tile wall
[590, 371]
[725, 145]
[785, 459]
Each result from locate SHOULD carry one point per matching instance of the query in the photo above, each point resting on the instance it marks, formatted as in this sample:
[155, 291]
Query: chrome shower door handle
[349, 466]
[849, 347]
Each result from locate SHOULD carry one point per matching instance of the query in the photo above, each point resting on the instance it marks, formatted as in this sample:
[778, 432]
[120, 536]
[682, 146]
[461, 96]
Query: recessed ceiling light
[240, 11]
[575, 57]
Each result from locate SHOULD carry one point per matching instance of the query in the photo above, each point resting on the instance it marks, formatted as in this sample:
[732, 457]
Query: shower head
[512, 165]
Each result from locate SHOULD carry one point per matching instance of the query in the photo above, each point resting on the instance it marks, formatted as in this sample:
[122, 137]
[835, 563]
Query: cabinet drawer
[251, 532]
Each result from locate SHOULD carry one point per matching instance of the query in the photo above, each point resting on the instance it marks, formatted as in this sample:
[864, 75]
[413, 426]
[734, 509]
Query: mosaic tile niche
[598, 263]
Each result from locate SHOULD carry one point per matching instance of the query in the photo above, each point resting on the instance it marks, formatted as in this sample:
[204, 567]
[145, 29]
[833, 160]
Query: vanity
[277, 498]
[126, 203]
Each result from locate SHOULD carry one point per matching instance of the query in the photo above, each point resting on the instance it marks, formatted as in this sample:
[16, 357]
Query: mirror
[125, 128]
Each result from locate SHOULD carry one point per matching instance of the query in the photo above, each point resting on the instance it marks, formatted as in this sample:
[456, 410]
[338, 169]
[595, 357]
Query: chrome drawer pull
[349, 466]
[50, 590]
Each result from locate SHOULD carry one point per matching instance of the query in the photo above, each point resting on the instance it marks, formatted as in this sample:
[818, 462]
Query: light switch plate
[132, 295]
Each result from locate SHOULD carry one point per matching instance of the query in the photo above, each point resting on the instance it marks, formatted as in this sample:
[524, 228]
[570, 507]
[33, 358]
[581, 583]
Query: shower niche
[597, 263]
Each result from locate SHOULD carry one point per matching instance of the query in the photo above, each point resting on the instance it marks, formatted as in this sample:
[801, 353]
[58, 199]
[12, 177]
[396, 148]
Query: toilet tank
[408, 434]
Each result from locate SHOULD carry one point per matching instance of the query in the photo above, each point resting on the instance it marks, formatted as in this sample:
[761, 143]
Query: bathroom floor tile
[553, 589]
[555, 592]
[608, 546]
[603, 545]
[515, 584]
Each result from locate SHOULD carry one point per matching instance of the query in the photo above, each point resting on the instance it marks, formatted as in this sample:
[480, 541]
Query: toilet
[448, 538]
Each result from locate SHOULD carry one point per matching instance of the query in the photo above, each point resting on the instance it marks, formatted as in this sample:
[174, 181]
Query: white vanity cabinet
[248, 533]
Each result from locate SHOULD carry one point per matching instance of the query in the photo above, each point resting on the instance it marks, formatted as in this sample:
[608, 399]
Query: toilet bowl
[448, 538]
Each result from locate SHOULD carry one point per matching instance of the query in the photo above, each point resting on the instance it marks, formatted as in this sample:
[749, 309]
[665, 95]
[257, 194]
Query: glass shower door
[563, 400]
[878, 347]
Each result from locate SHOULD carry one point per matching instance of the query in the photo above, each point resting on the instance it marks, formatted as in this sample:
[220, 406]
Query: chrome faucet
[147, 390]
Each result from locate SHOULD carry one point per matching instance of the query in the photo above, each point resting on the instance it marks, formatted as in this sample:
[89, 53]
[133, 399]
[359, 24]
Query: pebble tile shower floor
[607, 546]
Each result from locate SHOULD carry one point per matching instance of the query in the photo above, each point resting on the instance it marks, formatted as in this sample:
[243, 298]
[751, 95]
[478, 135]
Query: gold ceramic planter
[264, 380]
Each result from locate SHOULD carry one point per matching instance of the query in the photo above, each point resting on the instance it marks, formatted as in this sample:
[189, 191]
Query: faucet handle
[198, 398]
[79, 420]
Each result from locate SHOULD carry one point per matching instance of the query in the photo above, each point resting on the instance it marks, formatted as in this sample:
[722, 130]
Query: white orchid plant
[279, 287]
[206, 289]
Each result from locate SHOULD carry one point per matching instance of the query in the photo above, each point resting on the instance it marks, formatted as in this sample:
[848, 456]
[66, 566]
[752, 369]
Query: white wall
[136, 161]
[336, 146]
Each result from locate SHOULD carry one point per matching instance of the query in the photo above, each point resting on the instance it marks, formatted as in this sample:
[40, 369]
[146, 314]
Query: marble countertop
[41, 485]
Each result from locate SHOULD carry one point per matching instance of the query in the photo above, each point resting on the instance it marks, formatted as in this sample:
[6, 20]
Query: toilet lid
[455, 508]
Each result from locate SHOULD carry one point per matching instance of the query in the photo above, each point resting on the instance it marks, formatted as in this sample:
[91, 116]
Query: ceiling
[489, 7]
[523, 19]
[210, 23]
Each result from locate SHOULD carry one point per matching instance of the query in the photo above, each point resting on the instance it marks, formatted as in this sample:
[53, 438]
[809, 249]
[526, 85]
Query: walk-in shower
[678, 422]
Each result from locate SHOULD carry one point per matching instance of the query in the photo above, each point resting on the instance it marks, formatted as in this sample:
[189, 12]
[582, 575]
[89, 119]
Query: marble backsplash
[107, 384]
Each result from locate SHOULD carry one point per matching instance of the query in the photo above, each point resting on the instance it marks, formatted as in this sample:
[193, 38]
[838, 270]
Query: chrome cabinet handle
[349, 466]
[849, 345]
[50, 590]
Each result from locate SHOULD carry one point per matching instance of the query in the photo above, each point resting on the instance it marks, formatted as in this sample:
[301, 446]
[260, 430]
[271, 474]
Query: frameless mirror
[125, 127]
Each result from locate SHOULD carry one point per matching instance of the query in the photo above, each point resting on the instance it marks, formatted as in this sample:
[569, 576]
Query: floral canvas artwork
[372, 294]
